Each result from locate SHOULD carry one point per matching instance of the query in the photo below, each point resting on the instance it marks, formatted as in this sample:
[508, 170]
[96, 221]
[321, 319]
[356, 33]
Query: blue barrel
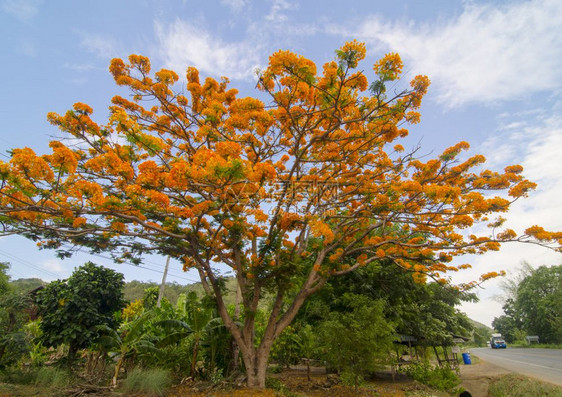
[466, 358]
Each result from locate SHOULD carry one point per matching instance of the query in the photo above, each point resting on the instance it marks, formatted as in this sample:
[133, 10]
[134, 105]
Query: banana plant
[145, 335]
[202, 320]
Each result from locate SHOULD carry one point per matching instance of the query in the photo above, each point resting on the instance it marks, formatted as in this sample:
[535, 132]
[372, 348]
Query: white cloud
[24, 10]
[79, 67]
[103, 47]
[538, 143]
[235, 5]
[488, 53]
[53, 265]
[276, 13]
[183, 44]
[27, 47]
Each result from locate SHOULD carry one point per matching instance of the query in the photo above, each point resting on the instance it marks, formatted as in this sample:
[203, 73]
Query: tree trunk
[72, 350]
[256, 360]
[256, 366]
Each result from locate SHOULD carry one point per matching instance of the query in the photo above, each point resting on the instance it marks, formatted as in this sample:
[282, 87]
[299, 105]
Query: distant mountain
[477, 324]
[135, 289]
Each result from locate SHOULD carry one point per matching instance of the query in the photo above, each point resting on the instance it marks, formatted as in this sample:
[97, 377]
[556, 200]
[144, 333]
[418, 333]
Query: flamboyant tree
[310, 185]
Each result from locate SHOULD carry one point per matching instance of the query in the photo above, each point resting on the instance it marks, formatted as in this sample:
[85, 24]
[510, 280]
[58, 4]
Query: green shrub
[279, 387]
[520, 386]
[52, 377]
[349, 378]
[435, 377]
[153, 382]
[44, 376]
[356, 341]
[274, 383]
[17, 376]
[275, 369]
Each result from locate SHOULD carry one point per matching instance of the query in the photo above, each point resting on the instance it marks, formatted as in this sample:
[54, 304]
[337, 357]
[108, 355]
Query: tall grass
[152, 382]
[52, 377]
[46, 377]
[520, 386]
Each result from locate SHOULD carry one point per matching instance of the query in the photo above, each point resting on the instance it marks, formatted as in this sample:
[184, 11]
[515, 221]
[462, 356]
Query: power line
[7, 141]
[17, 273]
[27, 263]
[173, 274]
[145, 262]
[144, 267]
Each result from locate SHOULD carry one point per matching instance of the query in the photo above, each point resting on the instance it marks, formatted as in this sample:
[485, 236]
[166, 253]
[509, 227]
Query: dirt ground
[295, 382]
[476, 377]
[322, 384]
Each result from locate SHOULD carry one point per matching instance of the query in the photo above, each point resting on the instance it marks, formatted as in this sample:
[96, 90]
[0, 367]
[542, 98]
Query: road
[543, 364]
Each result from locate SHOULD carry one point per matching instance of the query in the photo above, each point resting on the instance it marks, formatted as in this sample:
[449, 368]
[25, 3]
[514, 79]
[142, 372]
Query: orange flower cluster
[389, 67]
[312, 175]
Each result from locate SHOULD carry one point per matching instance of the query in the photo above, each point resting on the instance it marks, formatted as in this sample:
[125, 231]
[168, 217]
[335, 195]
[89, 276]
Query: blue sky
[495, 67]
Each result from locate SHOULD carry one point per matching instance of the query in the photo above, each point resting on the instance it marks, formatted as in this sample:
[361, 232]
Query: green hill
[23, 285]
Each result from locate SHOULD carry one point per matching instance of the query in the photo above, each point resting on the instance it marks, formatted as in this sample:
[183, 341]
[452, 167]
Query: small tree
[71, 309]
[15, 311]
[532, 305]
[507, 326]
[358, 341]
[537, 301]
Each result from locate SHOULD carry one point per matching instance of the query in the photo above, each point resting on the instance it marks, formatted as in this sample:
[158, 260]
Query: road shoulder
[476, 378]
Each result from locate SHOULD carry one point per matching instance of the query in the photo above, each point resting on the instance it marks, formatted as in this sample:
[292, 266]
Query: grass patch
[520, 386]
[152, 382]
[279, 387]
[46, 377]
[52, 377]
[524, 345]
[14, 390]
[18, 377]
[435, 377]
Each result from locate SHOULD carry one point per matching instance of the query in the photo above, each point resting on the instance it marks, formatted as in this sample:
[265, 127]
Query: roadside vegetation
[81, 334]
[520, 386]
[55, 340]
[532, 307]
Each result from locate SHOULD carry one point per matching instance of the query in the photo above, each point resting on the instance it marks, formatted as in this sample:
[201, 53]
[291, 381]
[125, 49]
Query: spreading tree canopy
[310, 184]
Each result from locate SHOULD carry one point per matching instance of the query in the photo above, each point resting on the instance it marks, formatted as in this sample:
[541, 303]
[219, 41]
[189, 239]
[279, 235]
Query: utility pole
[161, 292]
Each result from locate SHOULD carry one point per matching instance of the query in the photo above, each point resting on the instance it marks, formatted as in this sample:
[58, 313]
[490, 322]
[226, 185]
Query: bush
[356, 341]
[52, 377]
[152, 382]
[47, 377]
[435, 377]
[279, 387]
[17, 376]
[349, 378]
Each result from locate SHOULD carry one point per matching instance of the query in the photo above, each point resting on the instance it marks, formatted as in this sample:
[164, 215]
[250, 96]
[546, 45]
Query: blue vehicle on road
[497, 342]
